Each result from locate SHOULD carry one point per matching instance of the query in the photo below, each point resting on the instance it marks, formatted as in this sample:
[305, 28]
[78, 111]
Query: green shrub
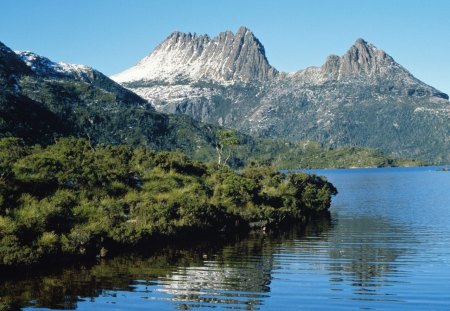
[48, 243]
[72, 198]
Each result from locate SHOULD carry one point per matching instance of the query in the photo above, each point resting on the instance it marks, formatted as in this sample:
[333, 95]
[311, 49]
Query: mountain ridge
[224, 58]
[361, 98]
[361, 58]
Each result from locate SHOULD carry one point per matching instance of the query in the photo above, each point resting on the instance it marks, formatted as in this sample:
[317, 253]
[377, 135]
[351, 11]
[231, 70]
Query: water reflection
[236, 274]
[373, 254]
[365, 253]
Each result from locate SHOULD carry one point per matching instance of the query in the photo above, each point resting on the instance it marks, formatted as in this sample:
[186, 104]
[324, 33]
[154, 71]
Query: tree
[11, 150]
[226, 142]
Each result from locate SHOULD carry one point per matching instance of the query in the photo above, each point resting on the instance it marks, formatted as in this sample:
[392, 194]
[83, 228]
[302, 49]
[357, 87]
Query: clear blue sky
[112, 35]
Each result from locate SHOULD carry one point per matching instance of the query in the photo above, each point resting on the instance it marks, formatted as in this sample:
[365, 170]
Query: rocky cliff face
[362, 61]
[227, 58]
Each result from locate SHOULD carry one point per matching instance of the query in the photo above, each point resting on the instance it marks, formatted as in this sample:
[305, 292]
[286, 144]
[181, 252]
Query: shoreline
[72, 200]
[156, 244]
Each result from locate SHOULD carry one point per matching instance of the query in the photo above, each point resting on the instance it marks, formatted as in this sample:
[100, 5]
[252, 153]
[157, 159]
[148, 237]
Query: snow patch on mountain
[43, 66]
[161, 95]
[225, 59]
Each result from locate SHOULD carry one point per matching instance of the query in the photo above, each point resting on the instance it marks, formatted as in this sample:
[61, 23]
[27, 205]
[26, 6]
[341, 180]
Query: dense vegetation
[310, 154]
[50, 109]
[75, 199]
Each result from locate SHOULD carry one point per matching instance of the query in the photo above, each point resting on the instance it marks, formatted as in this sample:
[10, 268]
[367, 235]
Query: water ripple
[387, 247]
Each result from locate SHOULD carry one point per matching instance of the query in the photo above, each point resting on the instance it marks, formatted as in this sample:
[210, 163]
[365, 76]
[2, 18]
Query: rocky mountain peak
[364, 57]
[177, 38]
[226, 58]
[360, 42]
[243, 30]
[363, 61]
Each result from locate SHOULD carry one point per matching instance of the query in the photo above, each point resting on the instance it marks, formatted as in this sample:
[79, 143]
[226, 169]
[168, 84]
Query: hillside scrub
[74, 199]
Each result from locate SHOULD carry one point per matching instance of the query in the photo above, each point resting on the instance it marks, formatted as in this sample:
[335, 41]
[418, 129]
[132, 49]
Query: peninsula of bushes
[75, 200]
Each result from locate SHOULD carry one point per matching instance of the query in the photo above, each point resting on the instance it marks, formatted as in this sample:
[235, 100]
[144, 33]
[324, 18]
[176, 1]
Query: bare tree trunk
[219, 154]
[227, 158]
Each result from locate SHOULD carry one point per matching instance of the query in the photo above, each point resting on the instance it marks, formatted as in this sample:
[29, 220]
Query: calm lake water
[386, 247]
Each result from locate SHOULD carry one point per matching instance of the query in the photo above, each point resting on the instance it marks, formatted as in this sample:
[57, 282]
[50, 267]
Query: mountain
[226, 58]
[45, 69]
[362, 98]
[41, 100]
[365, 64]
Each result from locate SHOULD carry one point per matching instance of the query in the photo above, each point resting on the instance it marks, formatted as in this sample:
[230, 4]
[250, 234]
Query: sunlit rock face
[227, 58]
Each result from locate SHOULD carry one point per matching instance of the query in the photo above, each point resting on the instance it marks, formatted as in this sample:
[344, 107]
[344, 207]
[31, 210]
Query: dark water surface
[387, 247]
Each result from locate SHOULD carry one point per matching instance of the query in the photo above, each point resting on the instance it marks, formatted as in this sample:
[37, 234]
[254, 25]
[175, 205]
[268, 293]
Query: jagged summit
[365, 58]
[237, 57]
[362, 61]
[361, 98]
[360, 41]
[226, 58]
[365, 64]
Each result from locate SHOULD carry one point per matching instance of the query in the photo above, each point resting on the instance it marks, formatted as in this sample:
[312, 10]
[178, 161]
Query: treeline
[74, 199]
[310, 154]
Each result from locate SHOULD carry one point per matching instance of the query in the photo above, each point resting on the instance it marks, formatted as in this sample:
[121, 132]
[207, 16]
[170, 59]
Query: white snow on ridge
[44, 66]
[172, 61]
[162, 95]
[225, 59]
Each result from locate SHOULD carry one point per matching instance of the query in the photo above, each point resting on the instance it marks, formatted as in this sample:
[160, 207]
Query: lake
[385, 247]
